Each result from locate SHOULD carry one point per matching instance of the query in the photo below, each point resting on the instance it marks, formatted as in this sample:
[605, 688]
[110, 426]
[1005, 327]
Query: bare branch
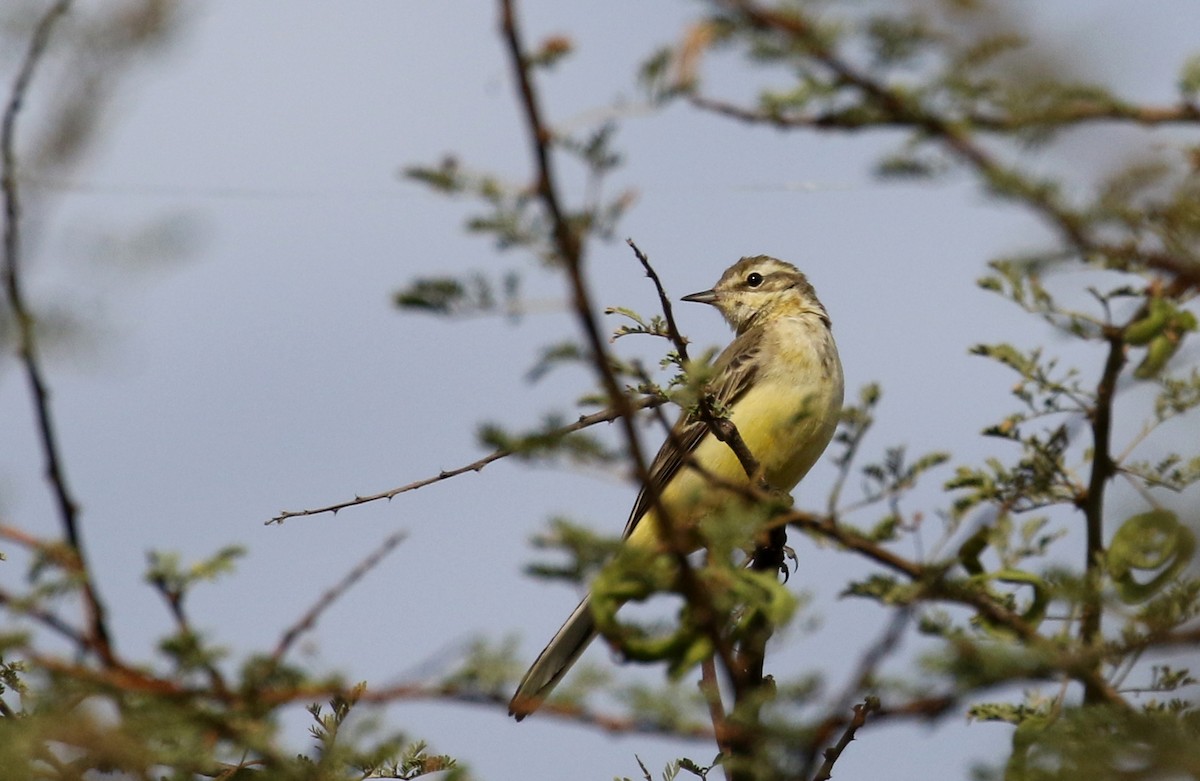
[833, 753]
[309, 619]
[887, 643]
[604, 416]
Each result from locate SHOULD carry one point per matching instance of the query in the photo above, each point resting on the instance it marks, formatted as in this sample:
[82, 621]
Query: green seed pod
[1153, 544]
[1158, 315]
[1161, 348]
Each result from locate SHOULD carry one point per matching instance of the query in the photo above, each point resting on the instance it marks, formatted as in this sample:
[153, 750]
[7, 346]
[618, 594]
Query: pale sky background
[266, 369]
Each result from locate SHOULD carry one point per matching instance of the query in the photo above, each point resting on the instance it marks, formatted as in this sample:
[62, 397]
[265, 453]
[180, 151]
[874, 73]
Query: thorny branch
[584, 421]
[834, 753]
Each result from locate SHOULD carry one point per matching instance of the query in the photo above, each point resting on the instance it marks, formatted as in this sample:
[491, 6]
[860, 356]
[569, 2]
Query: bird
[779, 381]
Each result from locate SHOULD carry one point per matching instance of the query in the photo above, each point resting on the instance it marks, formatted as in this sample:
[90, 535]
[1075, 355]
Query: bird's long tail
[556, 659]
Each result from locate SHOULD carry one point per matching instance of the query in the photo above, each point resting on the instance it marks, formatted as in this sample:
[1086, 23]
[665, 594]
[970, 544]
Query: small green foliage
[885, 589]
[596, 149]
[886, 530]
[441, 295]
[554, 355]
[1165, 678]
[1065, 745]
[673, 706]
[894, 475]
[1189, 78]
[547, 443]
[855, 422]
[672, 770]
[473, 294]
[910, 164]
[1177, 395]
[1011, 713]
[189, 652]
[1043, 390]
[339, 745]
[655, 326]
[167, 572]
[654, 75]
[488, 670]
[1174, 606]
[585, 550]
[1039, 479]
[1170, 472]
[447, 177]
[10, 676]
[898, 40]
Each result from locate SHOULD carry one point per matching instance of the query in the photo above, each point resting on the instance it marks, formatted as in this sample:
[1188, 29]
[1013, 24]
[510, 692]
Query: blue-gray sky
[265, 368]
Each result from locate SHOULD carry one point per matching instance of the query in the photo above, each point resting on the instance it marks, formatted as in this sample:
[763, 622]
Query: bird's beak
[705, 297]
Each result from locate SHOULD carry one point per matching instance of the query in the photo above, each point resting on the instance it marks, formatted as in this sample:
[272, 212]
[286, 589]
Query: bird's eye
[754, 280]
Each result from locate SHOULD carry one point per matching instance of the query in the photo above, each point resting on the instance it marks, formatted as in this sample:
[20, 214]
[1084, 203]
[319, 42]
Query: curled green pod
[1158, 315]
[1036, 610]
[635, 576]
[1153, 541]
[1161, 348]
[974, 546]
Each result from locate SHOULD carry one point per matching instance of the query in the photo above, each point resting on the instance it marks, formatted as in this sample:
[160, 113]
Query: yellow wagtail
[780, 381]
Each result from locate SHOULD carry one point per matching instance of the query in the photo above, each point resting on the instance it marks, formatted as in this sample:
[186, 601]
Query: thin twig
[604, 416]
[833, 753]
[710, 689]
[673, 333]
[887, 643]
[173, 596]
[721, 428]
[23, 606]
[310, 617]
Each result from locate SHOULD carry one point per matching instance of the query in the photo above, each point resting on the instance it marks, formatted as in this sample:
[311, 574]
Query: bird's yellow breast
[786, 419]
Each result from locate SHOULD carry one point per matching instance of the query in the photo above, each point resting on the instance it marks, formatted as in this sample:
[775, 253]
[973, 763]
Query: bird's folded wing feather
[734, 372]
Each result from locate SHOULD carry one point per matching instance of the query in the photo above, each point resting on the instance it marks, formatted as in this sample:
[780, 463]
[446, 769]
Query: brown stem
[1092, 502]
[833, 753]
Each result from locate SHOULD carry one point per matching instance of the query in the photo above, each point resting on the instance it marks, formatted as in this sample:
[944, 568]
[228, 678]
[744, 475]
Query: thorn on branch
[834, 752]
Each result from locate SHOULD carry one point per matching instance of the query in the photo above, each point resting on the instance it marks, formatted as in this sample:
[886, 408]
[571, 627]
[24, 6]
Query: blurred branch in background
[97, 639]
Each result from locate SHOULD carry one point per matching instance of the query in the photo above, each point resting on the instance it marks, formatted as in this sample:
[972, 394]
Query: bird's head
[761, 287]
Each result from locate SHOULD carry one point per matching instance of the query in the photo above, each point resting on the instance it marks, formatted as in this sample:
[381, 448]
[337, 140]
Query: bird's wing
[734, 372]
